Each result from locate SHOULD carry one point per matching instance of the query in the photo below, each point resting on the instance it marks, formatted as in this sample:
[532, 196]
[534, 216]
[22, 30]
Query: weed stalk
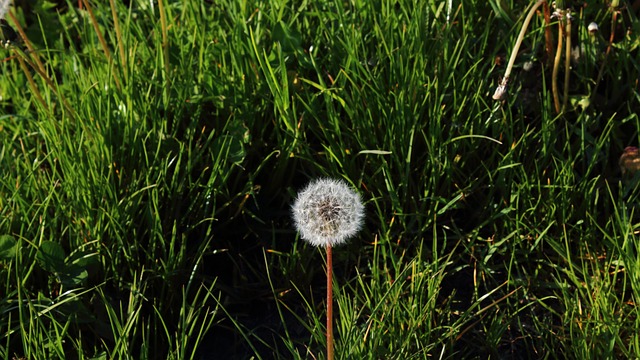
[501, 90]
[103, 42]
[556, 67]
[567, 60]
[32, 83]
[116, 26]
[38, 66]
[548, 36]
[329, 302]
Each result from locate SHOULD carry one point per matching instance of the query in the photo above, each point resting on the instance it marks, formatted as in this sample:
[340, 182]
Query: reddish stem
[329, 303]
[548, 36]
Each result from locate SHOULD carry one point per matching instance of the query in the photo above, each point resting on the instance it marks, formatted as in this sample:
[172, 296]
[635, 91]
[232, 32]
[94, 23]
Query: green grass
[146, 182]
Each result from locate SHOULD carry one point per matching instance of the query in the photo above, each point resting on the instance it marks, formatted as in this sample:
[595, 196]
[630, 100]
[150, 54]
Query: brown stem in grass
[556, 66]
[94, 22]
[32, 84]
[101, 39]
[116, 26]
[548, 36]
[329, 303]
[502, 87]
[30, 50]
[567, 63]
[23, 58]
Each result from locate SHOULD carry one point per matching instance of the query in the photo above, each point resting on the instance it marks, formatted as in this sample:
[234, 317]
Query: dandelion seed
[327, 212]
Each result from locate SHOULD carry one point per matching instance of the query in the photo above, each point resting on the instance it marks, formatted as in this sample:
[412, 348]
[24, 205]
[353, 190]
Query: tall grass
[149, 166]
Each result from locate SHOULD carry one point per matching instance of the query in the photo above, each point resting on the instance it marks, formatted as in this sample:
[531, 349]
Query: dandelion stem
[501, 90]
[556, 66]
[525, 25]
[329, 302]
[567, 63]
[548, 36]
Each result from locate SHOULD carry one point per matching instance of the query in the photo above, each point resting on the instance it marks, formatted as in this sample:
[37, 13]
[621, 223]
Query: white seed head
[593, 27]
[4, 7]
[327, 212]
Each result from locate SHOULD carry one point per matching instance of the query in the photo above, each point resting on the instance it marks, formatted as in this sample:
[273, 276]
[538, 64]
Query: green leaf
[8, 247]
[76, 267]
[51, 256]
[83, 259]
[73, 275]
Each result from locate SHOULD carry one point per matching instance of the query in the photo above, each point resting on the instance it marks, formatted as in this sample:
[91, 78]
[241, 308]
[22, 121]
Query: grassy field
[150, 153]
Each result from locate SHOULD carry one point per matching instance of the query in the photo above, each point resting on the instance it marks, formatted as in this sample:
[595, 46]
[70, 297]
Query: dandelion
[327, 213]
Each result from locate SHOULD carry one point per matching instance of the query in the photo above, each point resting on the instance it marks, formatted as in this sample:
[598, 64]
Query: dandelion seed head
[4, 7]
[327, 212]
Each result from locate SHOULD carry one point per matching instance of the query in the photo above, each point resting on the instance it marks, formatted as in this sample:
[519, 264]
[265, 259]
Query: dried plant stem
[556, 66]
[30, 50]
[548, 36]
[23, 58]
[101, 39]
[32, 84]
[329, 302]
[567, 63]
[94, 22]
[523, 31]
[116, 25]
[502, 87]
